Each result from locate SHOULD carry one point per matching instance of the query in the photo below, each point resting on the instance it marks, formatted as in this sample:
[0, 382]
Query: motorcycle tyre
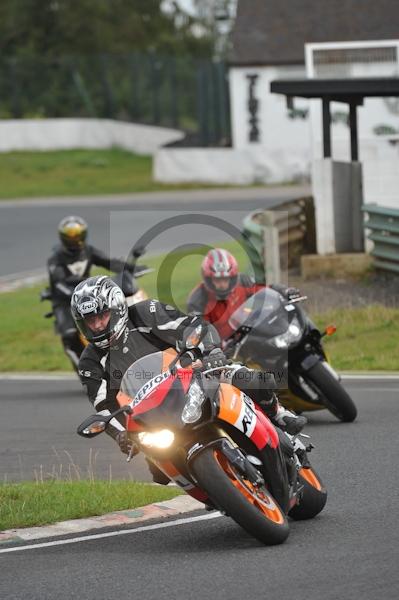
[333, 395]
[313, 499]
[212, 477]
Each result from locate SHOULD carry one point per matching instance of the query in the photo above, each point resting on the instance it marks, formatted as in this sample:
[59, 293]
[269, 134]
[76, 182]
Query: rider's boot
[288, 421]
[282, 417]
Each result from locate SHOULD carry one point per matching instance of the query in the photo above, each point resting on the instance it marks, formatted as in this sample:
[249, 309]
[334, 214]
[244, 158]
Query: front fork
[235, 457]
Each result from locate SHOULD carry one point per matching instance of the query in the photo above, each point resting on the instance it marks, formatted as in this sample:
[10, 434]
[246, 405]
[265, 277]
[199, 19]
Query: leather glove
[125, 444]
[189, 357]
[216, 358]
[291, 293]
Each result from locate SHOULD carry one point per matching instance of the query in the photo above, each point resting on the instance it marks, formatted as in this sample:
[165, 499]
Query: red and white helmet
[220, 272]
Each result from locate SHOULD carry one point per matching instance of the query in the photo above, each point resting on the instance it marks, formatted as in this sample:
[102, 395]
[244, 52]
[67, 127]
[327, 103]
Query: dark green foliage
[55, 28]
[119, 59]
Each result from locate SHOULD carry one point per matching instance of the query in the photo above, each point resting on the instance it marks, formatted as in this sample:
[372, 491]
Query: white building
[269, 41]
[273, 143]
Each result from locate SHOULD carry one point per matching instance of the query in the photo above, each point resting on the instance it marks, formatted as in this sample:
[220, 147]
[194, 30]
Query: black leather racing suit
[66, 269]
[152, 326]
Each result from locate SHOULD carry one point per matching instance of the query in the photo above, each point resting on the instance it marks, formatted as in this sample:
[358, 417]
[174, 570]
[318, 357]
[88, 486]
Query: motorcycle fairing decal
[264, 425]
[155, 398]
[163, 405]
[240, 411]
[170, 470]
[147, 389]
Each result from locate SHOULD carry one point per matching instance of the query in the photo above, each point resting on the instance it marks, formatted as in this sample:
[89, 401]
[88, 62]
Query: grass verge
[366, 339]
[78, 172]
[35, 504]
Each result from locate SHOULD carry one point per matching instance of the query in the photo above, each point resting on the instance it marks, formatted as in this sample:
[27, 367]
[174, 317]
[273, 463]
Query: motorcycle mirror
[194, 338]
[93, 425]
[96, 424]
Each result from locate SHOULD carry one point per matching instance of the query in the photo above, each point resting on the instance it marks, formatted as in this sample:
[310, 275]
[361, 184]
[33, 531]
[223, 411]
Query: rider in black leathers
[119, 336]
[70, 264]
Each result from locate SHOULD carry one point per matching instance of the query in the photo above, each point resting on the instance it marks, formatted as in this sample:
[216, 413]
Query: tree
[52, 28]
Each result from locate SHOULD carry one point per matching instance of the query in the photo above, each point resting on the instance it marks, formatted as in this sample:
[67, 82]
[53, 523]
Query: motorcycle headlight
[292, 334]
[156, 439]
[192, 410]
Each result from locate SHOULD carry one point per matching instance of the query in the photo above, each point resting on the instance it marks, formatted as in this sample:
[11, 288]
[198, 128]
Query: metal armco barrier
[383, 224]
[278, 237]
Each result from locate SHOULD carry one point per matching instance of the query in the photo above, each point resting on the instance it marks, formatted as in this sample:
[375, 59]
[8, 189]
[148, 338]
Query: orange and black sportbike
[215, 443]
[275, 334]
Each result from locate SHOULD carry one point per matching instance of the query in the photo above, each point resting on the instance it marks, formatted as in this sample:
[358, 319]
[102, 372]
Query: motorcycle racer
[69, 264]
[223, 289]
[118, 335]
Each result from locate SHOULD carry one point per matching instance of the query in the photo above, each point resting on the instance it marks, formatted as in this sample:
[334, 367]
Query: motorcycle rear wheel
[314, 496]
[333, 395]
[252, 507]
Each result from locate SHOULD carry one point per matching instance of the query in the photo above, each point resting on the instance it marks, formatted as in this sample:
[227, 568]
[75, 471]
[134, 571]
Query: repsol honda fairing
[274, 334]
[216, 444]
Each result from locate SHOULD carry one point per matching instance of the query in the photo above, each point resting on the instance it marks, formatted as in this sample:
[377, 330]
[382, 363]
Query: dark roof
[337, 89]
[272, 32]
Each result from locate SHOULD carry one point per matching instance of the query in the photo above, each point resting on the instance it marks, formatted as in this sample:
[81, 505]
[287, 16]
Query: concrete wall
[219, 165]
[57, 134]
[338, 195]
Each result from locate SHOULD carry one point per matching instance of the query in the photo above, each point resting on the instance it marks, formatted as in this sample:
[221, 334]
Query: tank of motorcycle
[156, 395]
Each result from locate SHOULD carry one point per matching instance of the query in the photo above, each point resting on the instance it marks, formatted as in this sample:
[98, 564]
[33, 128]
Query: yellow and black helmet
[73, 232]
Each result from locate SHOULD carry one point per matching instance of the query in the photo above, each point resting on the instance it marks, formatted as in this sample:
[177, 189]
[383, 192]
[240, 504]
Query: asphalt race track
[38, 421]
[349, 552]
[28, 229]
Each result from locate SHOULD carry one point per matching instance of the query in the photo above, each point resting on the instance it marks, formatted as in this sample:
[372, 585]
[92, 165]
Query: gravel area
[325, 294]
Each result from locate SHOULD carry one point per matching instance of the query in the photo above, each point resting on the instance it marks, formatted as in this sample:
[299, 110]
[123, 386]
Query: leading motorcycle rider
[70, 264]
[119, 335]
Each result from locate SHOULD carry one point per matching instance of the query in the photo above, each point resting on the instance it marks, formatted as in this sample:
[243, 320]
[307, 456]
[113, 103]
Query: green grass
[366, 339]
[78, 172]
[31, 504]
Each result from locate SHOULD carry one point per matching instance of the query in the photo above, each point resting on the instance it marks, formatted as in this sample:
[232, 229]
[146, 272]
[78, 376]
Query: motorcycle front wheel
[335, 398]
[252, 507]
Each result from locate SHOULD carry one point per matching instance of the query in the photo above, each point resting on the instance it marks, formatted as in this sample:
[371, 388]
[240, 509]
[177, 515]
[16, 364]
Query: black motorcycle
[275, 334]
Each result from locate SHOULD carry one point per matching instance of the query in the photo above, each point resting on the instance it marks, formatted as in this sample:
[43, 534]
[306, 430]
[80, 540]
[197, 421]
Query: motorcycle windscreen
[143, 375]
[156, 395]
[264, 309]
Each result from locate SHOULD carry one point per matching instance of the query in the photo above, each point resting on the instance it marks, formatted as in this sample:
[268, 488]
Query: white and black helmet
[94, 296]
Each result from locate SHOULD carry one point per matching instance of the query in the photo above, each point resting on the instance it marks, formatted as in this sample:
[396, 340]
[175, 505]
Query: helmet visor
[73, 236]
[96, 326]
[221, 284]
[97, 323]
